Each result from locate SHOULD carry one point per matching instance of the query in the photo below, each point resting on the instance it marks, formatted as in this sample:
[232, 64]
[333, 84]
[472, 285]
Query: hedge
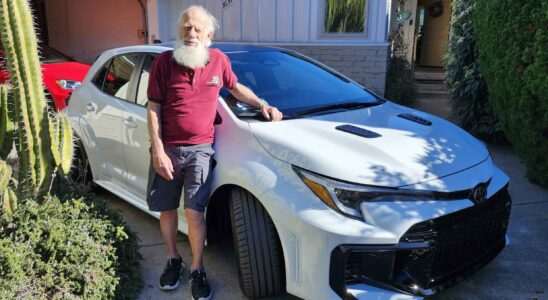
[512, 37]
[70, 249]
[464, 80]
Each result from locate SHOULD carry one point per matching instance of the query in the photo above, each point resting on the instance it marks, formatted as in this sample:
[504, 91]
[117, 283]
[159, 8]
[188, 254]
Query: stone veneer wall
[364, 64]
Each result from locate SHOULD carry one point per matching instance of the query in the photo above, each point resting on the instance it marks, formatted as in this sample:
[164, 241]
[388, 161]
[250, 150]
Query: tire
[257, 246]
[80, 173]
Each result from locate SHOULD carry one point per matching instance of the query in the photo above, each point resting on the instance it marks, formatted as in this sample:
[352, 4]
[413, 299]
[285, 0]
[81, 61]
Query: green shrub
[65, 250]
[400, 82]
[467, 87]
[512, 37]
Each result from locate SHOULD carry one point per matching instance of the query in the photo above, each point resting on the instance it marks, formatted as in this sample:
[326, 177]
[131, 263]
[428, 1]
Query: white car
[350, 196]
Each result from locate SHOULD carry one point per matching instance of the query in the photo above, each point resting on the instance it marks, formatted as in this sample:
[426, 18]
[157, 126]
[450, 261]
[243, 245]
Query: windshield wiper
[347, 105]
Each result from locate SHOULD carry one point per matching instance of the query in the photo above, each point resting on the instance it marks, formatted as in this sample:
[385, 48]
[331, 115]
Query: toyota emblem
[479, 193]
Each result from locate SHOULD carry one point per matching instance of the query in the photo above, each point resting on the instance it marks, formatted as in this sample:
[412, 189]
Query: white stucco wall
[275, 21]
[83, 29]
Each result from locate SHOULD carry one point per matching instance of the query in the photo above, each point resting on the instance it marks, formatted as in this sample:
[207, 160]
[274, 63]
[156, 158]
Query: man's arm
[244, 94]
[160, 161]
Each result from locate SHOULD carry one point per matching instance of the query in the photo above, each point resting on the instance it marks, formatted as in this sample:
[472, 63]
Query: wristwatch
[262, 102]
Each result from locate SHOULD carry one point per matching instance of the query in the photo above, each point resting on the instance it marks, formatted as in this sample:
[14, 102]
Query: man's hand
[269, 112]
[246, 95]
[160, 161]
[162, 164]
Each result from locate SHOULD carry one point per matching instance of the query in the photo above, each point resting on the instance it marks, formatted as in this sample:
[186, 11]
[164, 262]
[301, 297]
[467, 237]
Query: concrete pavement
[219, 259]
[519, 272]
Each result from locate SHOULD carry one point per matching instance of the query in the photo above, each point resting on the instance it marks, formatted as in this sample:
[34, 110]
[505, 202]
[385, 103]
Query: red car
[61, 75]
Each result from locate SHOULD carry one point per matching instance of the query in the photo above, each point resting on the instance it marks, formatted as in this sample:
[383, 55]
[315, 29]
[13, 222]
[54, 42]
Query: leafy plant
[467, 87]
[67, 250]
[400, 84]
[345, 16]
[512, 36]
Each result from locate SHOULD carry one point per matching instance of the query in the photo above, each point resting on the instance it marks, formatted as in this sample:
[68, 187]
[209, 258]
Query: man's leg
[163, 196]
[196, 235]
[197, 189]
[169, 222]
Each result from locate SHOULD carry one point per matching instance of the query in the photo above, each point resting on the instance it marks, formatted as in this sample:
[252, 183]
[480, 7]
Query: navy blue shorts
[191, 165]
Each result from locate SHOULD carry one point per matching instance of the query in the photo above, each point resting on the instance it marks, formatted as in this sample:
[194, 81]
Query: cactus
[6, 122]
[63, 146]
[43, 145]
[8, 197]
[5, 176]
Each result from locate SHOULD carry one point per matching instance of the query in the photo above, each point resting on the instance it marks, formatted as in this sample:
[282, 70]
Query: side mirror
[218, 120]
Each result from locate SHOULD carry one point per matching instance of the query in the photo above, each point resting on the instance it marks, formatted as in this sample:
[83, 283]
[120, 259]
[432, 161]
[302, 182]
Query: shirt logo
[214, 81]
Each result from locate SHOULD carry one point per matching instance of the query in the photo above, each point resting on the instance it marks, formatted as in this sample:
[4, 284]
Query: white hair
[213, 23]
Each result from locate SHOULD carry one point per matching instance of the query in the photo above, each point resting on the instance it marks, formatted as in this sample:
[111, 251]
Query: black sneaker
[171, 275]
[198, 285]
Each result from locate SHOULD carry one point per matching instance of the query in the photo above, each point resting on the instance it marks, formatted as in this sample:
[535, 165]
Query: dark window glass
[100, 77]
[292, 83]
[143, 80]
[117, 79]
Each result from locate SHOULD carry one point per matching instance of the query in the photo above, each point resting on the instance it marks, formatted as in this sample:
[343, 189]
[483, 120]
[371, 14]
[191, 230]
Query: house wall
[83, 29]
[296, 25]
[273, 21]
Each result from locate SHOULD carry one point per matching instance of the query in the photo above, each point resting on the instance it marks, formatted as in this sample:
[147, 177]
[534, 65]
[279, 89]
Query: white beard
[191, 57]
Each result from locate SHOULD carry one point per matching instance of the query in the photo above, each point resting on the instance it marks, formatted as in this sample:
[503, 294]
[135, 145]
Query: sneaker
[171, 275]
[198, 285]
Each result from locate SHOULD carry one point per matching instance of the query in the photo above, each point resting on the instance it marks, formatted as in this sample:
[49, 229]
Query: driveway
[519, 272]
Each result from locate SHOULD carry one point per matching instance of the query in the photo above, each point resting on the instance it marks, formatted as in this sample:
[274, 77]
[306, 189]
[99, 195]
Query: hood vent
[358, 131]
[415, 119]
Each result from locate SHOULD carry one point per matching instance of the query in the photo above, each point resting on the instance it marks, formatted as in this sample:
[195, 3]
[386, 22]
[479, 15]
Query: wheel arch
[218, 218]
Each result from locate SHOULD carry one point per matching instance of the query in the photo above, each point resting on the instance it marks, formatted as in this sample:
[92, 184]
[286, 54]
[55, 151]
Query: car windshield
[295, 85]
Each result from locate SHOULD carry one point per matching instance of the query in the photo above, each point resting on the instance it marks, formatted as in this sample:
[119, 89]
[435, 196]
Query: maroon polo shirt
[189, 97]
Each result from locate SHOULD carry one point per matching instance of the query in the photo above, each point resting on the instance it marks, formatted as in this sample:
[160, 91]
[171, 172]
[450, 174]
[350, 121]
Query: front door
[135, 132]
[435, 31]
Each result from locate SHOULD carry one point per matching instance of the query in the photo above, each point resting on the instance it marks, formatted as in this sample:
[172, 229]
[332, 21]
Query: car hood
[65, 70]
[405, 153]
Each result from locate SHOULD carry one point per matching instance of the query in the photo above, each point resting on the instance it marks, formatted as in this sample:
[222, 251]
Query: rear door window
[117, 79]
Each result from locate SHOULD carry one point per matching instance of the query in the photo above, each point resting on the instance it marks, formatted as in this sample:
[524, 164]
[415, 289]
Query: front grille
[431, 255]
[460, 238]
[368, 264]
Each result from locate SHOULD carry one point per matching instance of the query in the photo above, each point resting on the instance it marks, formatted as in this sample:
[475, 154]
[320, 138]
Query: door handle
[130, 123]
[90, 106]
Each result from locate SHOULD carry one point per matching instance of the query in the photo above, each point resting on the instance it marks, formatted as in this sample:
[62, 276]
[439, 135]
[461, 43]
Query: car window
[143, 80]
[100, 76]
[293, 83]
[116, 82]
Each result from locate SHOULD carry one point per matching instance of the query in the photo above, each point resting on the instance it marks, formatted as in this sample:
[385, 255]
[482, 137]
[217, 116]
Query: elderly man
[183, 89]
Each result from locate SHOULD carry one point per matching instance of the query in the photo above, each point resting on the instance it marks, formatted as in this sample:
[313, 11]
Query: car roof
[230, 47]
[225, 47]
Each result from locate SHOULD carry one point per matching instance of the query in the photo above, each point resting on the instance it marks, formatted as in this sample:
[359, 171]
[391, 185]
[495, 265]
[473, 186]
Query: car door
[104, 114]
[135, 134]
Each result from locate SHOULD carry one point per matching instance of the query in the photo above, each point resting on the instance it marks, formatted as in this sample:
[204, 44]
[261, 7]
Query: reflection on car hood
[405, 153]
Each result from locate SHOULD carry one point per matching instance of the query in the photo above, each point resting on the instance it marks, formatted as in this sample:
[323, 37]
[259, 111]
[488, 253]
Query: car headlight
[68, 84]
[346, 198]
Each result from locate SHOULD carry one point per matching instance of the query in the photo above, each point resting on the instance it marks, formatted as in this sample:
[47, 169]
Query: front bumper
[431, 256]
